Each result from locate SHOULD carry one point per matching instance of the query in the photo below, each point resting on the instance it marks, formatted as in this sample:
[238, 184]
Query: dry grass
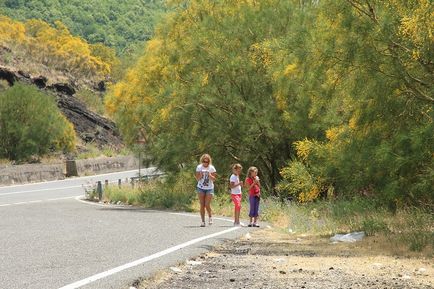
[407, 231]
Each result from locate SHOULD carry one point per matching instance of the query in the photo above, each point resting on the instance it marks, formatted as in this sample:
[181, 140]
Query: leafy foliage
[372, 94]
[31, 124]
[56, 47]
[114, 23]
[338, 91]
[207, 90]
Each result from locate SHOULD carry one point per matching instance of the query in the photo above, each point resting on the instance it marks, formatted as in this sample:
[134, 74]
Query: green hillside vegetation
[31, 125]
[327, 98]
[114, 23]
[38, 48]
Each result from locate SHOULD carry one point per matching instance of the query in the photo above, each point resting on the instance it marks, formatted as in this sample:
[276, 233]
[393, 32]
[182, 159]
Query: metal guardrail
[98, 187]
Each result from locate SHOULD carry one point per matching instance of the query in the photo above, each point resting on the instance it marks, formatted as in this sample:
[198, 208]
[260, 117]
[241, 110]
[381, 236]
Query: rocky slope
[90, 127]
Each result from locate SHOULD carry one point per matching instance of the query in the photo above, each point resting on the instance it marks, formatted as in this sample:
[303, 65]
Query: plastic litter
[349, 238]
[421, 271]
[176, 270]
[193, 263]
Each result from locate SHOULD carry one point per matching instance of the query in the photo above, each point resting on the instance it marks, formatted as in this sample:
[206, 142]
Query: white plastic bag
[349, 238]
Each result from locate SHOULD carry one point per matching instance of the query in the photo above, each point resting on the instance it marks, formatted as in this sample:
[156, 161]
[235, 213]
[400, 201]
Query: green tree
[113, 23]
[333, 96]
[370, 91]
[31, 124]
[203, 85]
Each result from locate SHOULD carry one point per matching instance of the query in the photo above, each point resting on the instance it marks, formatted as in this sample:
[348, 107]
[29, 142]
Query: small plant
[90, 192]
[32, 125]
[91, 99]
[373, 226]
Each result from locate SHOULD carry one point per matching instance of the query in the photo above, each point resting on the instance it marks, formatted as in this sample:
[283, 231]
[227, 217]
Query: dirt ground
[268, 259]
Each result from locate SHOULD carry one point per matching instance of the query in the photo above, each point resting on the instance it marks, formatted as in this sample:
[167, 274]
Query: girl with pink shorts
[235, 185]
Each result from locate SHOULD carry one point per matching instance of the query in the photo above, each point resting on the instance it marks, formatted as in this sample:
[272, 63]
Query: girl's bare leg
[202, 205]
[208, 198]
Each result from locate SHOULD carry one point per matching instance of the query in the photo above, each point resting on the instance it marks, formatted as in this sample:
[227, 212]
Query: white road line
[65, 198]
[75, 179]
[40, 190]
[37, 201]
[118, 269]
[48, 189]
[79, 198]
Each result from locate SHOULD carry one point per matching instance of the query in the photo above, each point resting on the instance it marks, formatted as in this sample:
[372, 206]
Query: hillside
[60, 63]
[115, 23]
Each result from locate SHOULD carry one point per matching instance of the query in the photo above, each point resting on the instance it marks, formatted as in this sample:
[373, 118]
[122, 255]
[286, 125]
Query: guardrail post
[71, 168]
[119, 183]
[99, 190]
[106, 183]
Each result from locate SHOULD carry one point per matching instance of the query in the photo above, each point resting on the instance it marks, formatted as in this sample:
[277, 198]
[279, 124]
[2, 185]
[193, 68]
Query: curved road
[51, 239]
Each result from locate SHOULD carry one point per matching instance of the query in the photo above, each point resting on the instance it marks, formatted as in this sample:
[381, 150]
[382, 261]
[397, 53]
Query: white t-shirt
[205, 182]
[235, 190]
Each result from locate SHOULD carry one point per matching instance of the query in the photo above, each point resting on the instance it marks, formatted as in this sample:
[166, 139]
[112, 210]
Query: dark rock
[90, 126]
[64, 88]
[101, 86]
[232, 280]
[40, 81]
[8, 75]
[23, 74]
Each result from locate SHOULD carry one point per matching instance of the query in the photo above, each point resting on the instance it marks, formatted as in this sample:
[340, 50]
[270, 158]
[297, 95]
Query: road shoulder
[268, 259]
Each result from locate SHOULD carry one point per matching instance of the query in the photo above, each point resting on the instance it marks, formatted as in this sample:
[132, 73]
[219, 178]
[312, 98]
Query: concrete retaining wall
[19, 174]
[106, 165]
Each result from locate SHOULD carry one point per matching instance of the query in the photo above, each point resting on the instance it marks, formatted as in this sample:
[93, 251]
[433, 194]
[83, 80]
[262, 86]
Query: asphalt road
[51, 239]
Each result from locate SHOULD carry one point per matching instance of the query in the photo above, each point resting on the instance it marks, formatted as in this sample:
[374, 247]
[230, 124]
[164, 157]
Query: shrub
[298, 181]
[31, 124]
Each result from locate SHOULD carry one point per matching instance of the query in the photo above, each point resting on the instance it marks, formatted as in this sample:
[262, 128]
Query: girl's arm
[213, 176]
[233, 184]
[248, 185]
[198, 176]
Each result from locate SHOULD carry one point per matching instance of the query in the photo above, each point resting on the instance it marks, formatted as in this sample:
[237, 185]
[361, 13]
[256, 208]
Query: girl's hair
[251, 169]
[205, 156]
[237, 166]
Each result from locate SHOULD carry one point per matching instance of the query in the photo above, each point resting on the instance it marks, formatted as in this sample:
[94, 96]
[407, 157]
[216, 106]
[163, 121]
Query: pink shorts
[237, 201]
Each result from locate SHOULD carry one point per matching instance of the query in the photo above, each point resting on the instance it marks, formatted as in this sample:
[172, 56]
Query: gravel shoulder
[269, 259]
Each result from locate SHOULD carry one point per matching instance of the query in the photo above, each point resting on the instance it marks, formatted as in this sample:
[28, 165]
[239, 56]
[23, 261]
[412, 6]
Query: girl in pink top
[254, 186]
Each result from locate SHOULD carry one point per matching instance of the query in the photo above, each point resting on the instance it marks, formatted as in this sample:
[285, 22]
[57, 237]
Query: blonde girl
[205, 176]
[253, 185]
[235, 185]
